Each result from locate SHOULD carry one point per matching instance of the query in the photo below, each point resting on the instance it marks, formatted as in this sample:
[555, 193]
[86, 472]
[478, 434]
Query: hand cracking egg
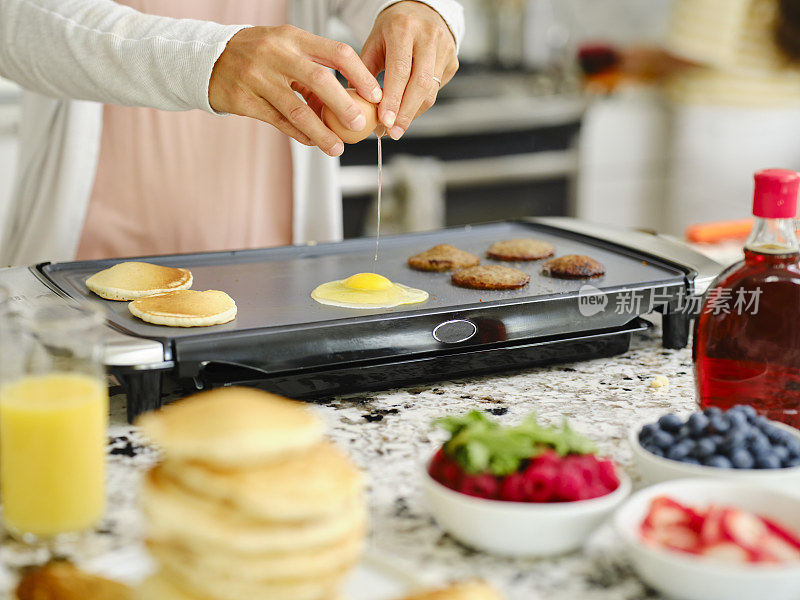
[367, 290]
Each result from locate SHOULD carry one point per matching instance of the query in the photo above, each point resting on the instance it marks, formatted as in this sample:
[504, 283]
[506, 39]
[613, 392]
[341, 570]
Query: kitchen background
[514, 133]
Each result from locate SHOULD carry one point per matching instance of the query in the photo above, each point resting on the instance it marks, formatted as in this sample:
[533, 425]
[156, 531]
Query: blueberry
[680, 450]
[716, 438]
[792, 462]
[782, 452]
[742, 459]
[712, 411]
[793, 446]
[656, 450]
[662, 439]
[697, 424]
[704, 448]
[690, 461]
[647, 431]
[768, 461]
[735, 439]
[761, 422]
[748, 410]
[760, 445]
[719, 424]
[736, 418]
[774, 434]
[683, 433]
[718, 461]
[670, 422]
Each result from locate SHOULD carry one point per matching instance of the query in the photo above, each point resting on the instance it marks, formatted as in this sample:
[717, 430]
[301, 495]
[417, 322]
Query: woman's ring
[437, 80]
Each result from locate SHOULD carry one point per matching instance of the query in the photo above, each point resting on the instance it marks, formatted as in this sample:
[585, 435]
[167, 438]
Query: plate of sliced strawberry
[703, 539]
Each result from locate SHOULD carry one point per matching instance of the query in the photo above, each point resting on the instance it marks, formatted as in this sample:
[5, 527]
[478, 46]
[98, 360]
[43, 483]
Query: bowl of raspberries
[521, 490]
[735, 444]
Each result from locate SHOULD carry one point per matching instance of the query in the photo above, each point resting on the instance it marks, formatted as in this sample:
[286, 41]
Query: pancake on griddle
[185, 308]
[131, 280]
[490, 277]
[518, 250]
[442, 257]
[573, 266]
[233, 426]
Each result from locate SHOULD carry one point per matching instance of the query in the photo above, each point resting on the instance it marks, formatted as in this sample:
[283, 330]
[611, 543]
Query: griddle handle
[675, 330]
[142, 391]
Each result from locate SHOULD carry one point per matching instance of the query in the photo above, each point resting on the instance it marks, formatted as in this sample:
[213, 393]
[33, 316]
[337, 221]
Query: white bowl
[520, 528]
[689, 577]
[655, 469]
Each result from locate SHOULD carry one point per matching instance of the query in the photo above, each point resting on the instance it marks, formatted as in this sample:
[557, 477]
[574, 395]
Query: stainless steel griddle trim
[703, 269]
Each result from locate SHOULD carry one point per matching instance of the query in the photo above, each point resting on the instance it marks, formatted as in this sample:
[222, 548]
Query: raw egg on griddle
[367, 290]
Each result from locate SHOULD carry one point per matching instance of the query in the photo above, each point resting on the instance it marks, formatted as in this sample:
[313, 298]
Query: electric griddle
[284, 341]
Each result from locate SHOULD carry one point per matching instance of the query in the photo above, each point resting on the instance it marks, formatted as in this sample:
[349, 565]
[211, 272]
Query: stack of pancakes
[251, 502]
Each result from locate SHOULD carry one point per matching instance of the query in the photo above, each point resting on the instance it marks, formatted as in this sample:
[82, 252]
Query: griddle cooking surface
[271, 287]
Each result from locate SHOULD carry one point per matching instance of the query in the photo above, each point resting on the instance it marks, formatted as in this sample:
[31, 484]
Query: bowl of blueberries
[734, 444]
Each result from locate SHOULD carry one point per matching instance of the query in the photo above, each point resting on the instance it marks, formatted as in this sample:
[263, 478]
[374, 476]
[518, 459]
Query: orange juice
[52, 453]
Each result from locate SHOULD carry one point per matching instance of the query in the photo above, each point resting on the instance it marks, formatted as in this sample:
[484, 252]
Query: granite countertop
[389, 435]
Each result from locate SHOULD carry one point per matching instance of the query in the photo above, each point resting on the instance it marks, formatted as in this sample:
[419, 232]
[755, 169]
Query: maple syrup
[747, 337]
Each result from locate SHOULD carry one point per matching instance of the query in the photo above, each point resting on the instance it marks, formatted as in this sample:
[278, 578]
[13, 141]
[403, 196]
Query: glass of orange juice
[53, 419]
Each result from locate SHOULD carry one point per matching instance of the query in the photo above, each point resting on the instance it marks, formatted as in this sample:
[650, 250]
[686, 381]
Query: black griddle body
[284, 341]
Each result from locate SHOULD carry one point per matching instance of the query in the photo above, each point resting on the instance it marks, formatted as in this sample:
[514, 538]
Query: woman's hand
[262, 67]
[413, 44]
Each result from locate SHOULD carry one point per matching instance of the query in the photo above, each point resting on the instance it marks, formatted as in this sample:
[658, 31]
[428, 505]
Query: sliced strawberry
[675, 537]
[480, 486]
[743, 528]
[776, 549]
[727, 551]
[512, 488]
[782, 532]
[711, 530]
[666, 511]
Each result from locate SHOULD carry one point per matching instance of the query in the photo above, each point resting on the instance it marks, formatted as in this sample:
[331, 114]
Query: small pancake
[229, 587]
[490, 277]
[269, 567]
[465, 590]
[520, 250]
[233, 426]
[160, 587]
[131, 280]
[573, 266]
[176, 515]
[442, 257]
[185, 308]
[316, 484]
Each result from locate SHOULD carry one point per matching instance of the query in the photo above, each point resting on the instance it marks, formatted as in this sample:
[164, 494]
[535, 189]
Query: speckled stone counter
[389, 434]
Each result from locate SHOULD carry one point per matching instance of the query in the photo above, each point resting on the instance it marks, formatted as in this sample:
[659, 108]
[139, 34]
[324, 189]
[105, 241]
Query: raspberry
[512, 488]
[607, 473]
[435, 467]
[592, 491]
[584, 465]
[450, 473]
[569, 484]
[540, 482]
[480, 486]
[548, 458]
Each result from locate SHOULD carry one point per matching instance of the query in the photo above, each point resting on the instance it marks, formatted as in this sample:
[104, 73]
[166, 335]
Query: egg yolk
[367, 281]
[367, 290]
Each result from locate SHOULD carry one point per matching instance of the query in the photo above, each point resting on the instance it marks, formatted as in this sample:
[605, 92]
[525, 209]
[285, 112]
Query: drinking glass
[53, 419]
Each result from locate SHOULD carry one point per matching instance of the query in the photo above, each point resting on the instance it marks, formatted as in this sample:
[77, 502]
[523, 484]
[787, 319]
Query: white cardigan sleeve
[359, 15]
[102, 51]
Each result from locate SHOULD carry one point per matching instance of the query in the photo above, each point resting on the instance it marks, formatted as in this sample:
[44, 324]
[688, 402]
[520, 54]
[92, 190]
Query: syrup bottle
[747, 337]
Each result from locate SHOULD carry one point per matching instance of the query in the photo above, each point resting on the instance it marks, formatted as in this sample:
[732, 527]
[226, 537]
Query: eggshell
[348, 136]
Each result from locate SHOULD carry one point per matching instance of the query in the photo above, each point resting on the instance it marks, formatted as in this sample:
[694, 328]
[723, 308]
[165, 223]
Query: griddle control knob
[454, 332]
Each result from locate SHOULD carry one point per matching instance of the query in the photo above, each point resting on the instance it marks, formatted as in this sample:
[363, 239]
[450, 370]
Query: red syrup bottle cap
[775, 195]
